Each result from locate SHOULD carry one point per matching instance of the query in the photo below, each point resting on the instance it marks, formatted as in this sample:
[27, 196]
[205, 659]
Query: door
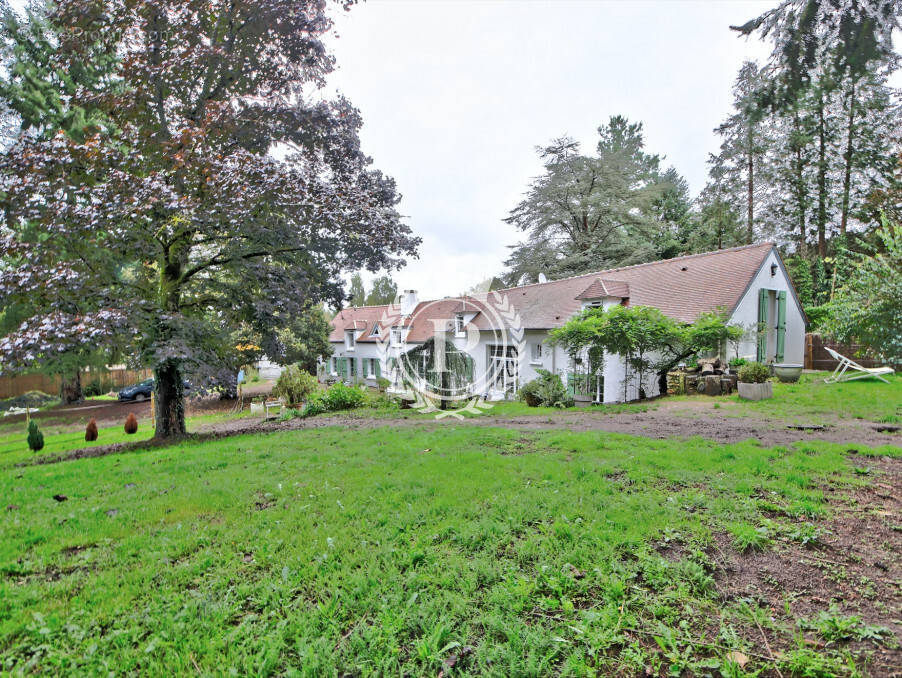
[503, 370]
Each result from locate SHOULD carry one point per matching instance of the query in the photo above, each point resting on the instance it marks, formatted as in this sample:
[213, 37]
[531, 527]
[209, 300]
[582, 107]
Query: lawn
[69, 435]
[398, 551]
[810, 400]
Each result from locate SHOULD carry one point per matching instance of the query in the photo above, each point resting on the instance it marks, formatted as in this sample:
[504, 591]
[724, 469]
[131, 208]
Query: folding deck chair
[839, 374]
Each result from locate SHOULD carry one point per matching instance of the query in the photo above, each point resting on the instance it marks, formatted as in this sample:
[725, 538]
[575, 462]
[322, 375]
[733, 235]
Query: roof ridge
[350, 308]
[632, 266]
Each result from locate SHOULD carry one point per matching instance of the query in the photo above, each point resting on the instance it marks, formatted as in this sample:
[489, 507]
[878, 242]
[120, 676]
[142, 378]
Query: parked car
[141, 391]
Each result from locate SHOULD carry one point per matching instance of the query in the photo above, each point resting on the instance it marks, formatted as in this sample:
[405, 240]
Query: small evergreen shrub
[131, 423]
[754, 373]
[295, 385]
[546, 390]
[35, 437]
[91, 431]
[336, 397]
[736, 363]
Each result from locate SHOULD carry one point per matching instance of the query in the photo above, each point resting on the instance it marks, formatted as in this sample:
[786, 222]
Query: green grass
[500, 409]
[63, 437]
[810, 400]
[397, 551]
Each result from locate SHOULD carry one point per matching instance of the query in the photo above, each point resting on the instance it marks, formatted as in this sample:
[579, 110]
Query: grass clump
[747, 537]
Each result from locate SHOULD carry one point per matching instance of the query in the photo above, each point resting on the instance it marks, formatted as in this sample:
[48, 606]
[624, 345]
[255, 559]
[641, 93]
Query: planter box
[582, 400]
[756, 391]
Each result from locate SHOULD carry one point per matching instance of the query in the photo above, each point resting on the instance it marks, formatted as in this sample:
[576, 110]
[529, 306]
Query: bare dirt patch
[855, 570]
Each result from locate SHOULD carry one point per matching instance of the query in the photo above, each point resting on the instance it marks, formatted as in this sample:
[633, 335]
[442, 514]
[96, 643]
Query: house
[503, 333]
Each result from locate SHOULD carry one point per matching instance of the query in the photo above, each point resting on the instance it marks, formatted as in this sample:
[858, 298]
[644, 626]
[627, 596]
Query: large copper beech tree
[219, 189]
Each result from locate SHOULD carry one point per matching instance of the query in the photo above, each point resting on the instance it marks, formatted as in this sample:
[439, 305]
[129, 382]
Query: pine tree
[800, 272]
[383, 291]
[589, 212]
[35, 437]
[738, 167]
[357, 291]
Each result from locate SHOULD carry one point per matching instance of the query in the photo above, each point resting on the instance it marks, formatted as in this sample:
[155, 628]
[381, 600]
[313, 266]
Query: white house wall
[746, 314]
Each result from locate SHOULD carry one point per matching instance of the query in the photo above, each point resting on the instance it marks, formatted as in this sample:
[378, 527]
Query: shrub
[336, 397]
[91, 431]
[131, 423]
[736, 363]
[546, 390]
[754, 373]
[93, 389]
[294, 384]
[818, 316]
[35, 437]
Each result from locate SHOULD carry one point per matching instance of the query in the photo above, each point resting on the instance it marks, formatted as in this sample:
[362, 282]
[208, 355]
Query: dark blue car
[141, 392]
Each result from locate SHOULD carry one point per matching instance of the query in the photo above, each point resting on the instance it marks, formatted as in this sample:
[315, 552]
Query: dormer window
[459, 325]
[350, 340]
[375, 331]
[395, 336]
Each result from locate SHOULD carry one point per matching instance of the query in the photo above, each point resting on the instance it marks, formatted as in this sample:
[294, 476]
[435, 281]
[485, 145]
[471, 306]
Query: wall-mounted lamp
[773, 269]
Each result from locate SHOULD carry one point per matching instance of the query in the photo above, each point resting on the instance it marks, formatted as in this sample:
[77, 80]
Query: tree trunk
[800, 188]
[821, 179]
[168, 387]
[70, 388]
[170, 400]
[847, 174]
[750, 235]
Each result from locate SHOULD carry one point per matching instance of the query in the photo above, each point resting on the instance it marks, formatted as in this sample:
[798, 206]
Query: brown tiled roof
[359, 318]
[605, 288]
[681, 288]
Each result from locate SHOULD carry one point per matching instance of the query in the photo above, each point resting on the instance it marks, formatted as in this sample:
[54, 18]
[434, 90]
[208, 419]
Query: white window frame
[459, 325]
[333, 365]
[397, 336]
[535, 357]
[350, 339]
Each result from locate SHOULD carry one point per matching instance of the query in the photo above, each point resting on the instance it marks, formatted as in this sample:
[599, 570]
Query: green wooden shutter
[378, 369]
[781, 325]
[762, 324]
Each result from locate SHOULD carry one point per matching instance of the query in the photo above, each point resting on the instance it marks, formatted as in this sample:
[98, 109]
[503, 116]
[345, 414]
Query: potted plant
[753, 382]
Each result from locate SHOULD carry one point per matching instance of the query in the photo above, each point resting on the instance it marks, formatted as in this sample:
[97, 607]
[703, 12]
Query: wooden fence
[817, 358]
[108, 380]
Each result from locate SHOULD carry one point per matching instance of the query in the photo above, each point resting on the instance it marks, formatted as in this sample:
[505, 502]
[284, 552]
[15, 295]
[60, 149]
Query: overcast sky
[456, 94]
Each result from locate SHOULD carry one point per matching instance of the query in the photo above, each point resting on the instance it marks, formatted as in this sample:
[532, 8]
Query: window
[395, 336]
[459, 324]
[350, 340]
[375, 331]
[333, 365]
[536, 353]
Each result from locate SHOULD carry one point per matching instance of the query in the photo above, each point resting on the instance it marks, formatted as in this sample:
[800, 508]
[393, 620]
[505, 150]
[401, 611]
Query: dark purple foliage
[175, 222]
